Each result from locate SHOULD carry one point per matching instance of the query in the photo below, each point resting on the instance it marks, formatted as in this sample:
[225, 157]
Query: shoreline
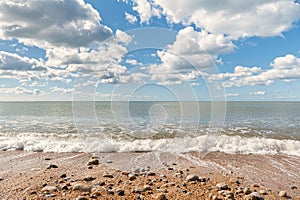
[26, 174]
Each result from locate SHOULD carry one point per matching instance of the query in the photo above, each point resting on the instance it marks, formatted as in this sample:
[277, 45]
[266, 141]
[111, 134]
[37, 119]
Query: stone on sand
[49, 188]
[82, 187]
[192, 177]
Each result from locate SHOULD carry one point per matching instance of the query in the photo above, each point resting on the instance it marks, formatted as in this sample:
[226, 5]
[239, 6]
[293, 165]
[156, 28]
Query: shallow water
[244, 127]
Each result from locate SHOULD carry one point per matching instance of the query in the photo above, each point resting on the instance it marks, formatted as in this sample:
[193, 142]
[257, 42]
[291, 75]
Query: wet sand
[147, 175]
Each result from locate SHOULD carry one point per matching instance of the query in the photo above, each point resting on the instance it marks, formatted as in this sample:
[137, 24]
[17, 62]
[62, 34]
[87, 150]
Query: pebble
[81, 187]
[63, 176]
[105, 175]
[89, 178]
[131, 177]
[282, 194]
[247, 191]
[255, 185]
[49, 188]
[263, 192]
[120, 192]
[81, 198]
[253, 196]
[161, 197]
[293, 187]
[192, 177]
[110, 192]
[93, 161]
[96, 194]
[151, 174]
[147, 187]
[222, 186]
[52, 166]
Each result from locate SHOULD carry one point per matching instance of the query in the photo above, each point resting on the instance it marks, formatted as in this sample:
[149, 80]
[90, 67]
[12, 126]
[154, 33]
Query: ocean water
[232, 127]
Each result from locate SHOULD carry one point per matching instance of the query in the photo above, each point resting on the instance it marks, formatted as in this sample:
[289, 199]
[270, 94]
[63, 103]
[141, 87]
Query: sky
[156, 50]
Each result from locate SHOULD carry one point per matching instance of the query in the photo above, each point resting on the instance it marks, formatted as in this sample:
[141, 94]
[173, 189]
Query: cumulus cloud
[146, 10]
[283, 68]
[70, 23]
[235, 18]
[192, 51]
[130, 18]
[11, 61]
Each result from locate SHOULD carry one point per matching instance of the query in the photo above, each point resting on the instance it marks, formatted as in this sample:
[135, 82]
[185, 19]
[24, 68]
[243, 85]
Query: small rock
[293, 187]
[161, 197]
[81, 187]
[192, 177]
[93, 161]
[222, 186]
[52, 166]
[120, 192]
[81, 198]
[89, 178]
[65, 187]
[147, 187]
[109, 161]
[263, 192]
[131, 177]
[282, 194]
[151, 174]
[33, 192]
[47, 158]
[63, 176]
[255, 185]
[49, 188]
[247, 191]
[96, 194]
[105, 175]
[253, 196]
[1, 179]
[110, 192]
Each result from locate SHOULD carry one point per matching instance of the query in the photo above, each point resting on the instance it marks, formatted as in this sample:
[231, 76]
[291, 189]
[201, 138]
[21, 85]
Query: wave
[201, 143]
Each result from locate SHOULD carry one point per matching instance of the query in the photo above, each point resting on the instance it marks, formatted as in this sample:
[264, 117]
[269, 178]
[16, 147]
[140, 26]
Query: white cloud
[11, 61]
[236, 18]
[190, 52]
[61, 90]
[283, 68]
[70, 23]
[232, 94]
[123, 37]
[258, 93]
[21, 91]
[146, 10]
[130, 18]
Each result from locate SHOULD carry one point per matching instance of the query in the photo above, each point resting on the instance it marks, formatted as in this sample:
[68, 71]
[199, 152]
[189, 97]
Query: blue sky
[149, 50]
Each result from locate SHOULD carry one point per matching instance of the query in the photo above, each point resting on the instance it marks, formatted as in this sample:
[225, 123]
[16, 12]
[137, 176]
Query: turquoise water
[257, 127]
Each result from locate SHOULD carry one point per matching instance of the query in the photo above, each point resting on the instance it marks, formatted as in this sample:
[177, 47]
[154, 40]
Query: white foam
[203, 143]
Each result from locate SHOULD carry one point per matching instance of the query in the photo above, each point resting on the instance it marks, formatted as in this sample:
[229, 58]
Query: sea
[140, 126]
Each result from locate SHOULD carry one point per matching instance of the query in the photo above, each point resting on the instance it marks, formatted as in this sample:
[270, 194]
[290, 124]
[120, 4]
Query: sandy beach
[148, 175]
